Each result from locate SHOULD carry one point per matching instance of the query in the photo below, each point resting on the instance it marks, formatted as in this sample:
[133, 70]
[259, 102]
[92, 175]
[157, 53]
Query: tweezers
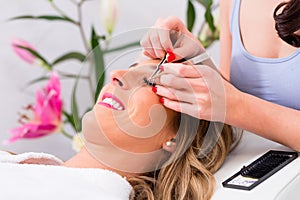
[192, 61]
[197, 59]
[157, 69]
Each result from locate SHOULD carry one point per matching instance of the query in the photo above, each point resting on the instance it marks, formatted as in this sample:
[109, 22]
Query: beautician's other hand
[170, 34]
[197, 90]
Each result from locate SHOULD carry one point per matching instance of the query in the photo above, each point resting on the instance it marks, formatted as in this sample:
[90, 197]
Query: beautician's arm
[272, 121]
[267, 119]
[225, 38]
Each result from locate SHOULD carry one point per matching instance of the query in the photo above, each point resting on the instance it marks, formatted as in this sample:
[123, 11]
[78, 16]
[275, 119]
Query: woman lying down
[135, 148]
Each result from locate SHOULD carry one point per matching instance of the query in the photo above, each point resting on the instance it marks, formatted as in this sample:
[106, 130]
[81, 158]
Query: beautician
[260, 69]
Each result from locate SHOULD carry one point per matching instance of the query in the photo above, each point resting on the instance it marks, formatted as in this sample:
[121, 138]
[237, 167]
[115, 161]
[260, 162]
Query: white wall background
[52, 39]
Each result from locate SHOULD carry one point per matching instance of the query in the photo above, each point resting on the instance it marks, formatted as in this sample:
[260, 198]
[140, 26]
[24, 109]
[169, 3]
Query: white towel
[30, 158]
[52, 182]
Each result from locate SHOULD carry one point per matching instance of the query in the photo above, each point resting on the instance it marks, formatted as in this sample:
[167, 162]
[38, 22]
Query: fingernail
[162, 68]
[162, 100]
[154, 89]
[171, 55]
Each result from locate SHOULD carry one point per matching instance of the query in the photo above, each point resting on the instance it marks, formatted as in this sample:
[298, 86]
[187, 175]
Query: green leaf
[76, 119]
[210, 20]
[206, 3]
[45, 17]
[191, 15]
[69, 56]
[98, 62]
[37, 80]
[98, 89]
[122, 47]
[208, 13]
[37, 55]
[70, 119]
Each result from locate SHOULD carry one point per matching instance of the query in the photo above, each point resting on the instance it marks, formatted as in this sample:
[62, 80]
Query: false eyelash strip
[258, 171]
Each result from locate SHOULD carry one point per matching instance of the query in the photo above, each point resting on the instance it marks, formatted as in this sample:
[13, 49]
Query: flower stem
[79, 24]
[66, 134]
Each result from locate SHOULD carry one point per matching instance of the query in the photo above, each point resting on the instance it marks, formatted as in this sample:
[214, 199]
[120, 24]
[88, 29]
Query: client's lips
[111, 101]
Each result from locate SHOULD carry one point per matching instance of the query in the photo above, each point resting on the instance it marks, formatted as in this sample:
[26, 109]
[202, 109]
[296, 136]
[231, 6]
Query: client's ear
[170, 145]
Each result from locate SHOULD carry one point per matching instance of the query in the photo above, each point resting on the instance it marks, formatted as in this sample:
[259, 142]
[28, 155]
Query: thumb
[187, 51]
[182, 52]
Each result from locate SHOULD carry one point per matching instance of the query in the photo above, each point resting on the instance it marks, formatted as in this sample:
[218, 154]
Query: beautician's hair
[186, 176]
[287, 21]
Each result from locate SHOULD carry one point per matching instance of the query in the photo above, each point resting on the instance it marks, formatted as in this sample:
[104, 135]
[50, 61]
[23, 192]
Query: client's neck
[84, 159]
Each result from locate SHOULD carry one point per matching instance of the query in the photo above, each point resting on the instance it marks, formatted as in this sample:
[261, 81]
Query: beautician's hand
[170, 34]
[199, 91]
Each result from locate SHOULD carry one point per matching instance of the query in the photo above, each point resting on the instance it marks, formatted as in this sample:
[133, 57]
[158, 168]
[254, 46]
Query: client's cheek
[140, 104]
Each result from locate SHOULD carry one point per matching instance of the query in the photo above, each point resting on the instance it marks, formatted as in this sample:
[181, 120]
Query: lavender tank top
[273, 79]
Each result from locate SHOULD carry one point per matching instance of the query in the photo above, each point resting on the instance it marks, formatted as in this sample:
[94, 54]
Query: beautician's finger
[182, 70]
[153, 40]
[175, 95]
[147, 45]
[156, 45]
[165, 40]
[180, 83]
[183, 107]
[147, 54]
[184, 51]
[172, 81]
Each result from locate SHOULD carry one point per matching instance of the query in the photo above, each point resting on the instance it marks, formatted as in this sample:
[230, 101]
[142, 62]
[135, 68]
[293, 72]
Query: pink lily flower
[22, 53]
[47, 113]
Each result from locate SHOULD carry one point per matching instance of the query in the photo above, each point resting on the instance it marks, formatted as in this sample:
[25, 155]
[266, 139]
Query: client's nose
[119, 81]
[116, 78]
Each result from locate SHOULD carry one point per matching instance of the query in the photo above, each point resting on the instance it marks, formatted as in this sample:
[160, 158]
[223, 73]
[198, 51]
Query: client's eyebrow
[133, 65]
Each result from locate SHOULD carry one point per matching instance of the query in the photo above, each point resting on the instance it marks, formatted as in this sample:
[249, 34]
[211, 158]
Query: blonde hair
[188, 174]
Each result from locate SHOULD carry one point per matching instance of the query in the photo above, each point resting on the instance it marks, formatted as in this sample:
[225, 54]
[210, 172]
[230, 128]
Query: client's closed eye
[147, 82]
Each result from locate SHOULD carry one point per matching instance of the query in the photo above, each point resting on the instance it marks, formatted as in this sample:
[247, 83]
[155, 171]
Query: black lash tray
[259, 170]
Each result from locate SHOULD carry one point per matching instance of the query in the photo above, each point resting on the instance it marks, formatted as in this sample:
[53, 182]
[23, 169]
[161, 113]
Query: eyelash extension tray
[259, 170]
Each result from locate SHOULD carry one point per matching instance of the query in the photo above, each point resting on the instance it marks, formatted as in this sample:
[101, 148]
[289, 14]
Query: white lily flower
[77, 142]
[109, 14]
